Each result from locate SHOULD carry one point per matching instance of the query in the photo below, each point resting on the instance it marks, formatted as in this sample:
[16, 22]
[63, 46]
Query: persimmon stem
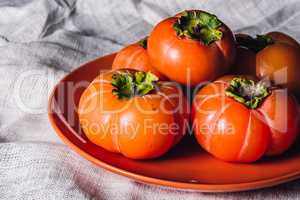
[198, 25]
[127, 84]
[143, 42]
[255, 44]
[247, 92]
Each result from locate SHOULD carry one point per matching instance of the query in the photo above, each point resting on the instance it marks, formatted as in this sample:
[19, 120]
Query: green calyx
[255, 44]
[247, 92]
[198, 25]
[144, 82]
[143, 42]
[126, 84]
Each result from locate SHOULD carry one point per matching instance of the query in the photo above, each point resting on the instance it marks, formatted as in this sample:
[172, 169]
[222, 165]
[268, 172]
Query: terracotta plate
[186, 166]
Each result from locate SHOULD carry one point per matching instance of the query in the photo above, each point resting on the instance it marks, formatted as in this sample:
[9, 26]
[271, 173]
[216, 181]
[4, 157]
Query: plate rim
[200, 187]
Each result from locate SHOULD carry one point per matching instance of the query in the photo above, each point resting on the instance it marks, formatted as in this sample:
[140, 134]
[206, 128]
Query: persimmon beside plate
[186, 166]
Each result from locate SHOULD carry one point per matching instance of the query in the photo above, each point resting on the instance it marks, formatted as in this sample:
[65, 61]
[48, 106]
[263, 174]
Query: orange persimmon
[279, 61]
[135, 56]
[277, 58]
[191, 47]
[133, 113]
[240, 120]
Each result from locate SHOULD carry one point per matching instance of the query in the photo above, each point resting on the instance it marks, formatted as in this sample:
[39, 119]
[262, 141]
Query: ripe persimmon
[133, 113]
[191, 47]
[241, 120]
[135, 56]
[277, 58]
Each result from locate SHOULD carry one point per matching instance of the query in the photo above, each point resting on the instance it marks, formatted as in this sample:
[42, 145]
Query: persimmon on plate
[135, 56]
[240, 119]
[186, 166]
[192, 47]
[274, 56]
[133, 113]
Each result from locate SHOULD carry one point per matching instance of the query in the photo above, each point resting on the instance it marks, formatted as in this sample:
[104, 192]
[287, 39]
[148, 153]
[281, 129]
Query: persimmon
[135, 56]
[191, 47]
[277, 59]
[240, 120]
[133, 113]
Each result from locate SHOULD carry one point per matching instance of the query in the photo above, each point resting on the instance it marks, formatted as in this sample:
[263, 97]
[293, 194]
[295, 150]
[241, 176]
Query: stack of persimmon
[243, 106]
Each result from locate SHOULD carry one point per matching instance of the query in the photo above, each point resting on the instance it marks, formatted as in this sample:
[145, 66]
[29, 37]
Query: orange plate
[186, 166]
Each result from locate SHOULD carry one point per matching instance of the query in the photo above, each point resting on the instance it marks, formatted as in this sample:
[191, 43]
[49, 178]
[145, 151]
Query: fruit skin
[232, 132]
[189, 61]
[280, 62]
[135, 127]
[134, 56]
[282, 37]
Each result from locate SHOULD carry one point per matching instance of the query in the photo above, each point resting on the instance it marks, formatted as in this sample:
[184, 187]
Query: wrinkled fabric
[48, 39]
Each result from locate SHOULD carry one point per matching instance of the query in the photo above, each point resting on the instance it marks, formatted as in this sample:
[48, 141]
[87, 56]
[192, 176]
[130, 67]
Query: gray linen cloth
[49, 38]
